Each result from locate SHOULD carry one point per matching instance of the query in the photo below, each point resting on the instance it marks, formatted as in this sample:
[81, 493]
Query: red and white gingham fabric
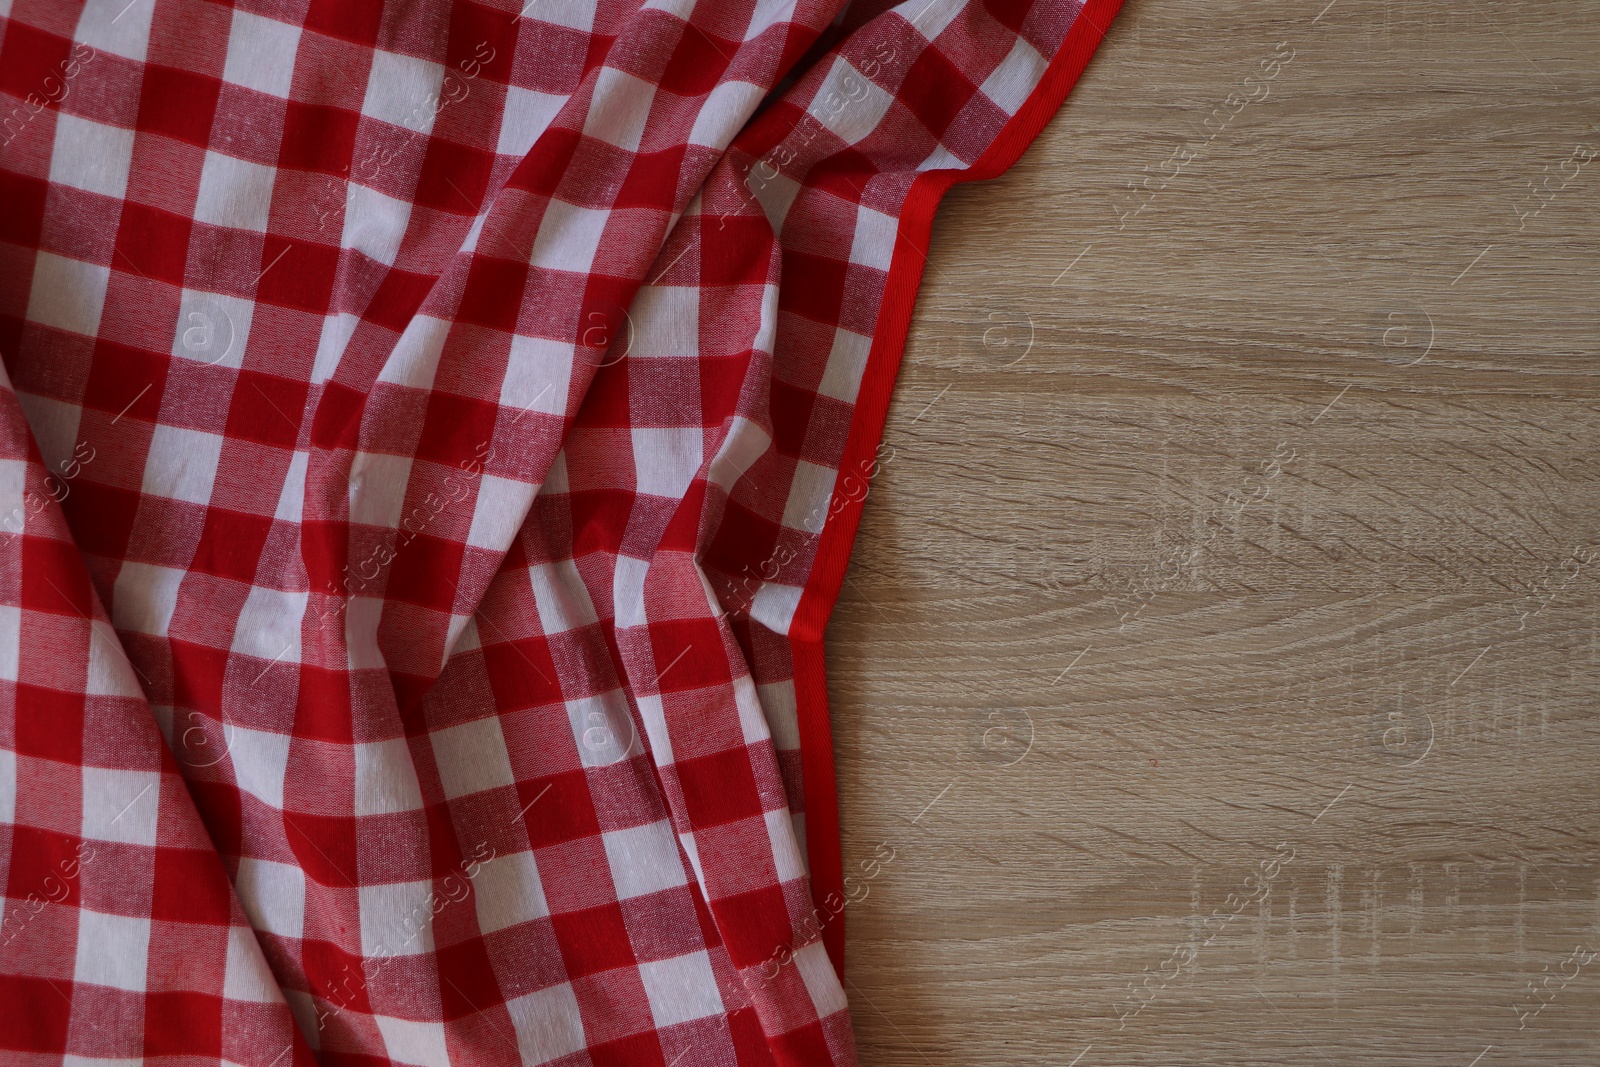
[408, 654]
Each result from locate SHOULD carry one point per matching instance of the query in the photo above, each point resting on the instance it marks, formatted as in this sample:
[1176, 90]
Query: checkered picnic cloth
[431, 438]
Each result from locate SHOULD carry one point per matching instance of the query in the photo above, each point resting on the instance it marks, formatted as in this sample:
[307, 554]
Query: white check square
[91, 156]
[498, 511]
[182, 464]
[374, 224]
[397, 918]
[246, 976]
[212, 329]
[112, 950]
[260, 759]
[644, 859]
[681, 989]
[561, 597]
[415, 1044]
[620, 107]
[666, 319]
[261, 54]
[10, 643]
[403, 91]
[527, 114]
[146, 597]
[121, 805]
[115, 28]
[386, 778]
[509, 892]
[472, 758]
[269, 628]
[569, 236]
[273, 895]
[378, 483]
[548, 1024]
[536, 376]
[415, 358]
[234, 193]
[665, 460]
[67, 294]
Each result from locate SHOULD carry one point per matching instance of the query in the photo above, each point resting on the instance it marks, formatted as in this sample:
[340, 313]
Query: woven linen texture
[418, 426]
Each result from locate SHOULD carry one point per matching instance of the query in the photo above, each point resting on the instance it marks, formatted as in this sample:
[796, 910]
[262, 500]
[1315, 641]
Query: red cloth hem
[823, 841]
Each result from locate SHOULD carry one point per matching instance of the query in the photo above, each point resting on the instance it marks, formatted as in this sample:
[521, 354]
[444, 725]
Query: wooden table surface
[1219, 656]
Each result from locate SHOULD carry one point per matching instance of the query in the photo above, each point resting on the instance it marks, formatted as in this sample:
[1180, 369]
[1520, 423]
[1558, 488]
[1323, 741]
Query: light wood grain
[1275, 535]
